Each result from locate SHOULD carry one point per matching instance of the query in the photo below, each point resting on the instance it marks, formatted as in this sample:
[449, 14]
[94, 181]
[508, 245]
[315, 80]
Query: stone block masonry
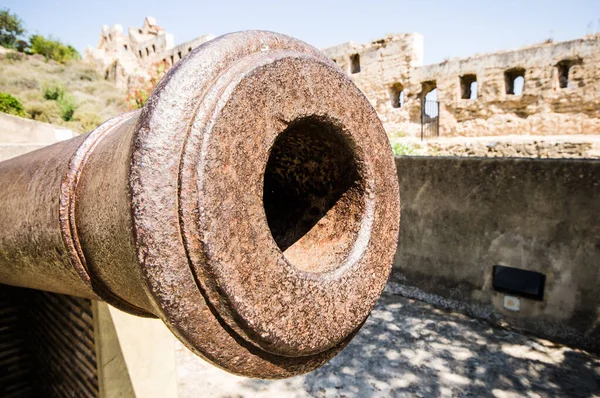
[383, 70]
[545, 89]
[461, 217]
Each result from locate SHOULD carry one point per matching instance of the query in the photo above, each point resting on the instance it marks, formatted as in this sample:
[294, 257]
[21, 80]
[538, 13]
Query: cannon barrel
[252, 204]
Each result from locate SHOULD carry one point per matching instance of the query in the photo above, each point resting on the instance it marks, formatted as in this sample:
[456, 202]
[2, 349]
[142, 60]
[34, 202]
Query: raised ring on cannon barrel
[252, 205]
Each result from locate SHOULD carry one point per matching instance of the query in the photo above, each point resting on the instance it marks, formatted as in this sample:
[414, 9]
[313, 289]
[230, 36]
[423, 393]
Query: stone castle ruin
[544, 89]
[121, 57]
[547, 89]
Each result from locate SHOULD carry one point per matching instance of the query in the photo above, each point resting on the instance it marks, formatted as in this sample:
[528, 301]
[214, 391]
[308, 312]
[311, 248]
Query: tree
[11, 105]
[11, 28]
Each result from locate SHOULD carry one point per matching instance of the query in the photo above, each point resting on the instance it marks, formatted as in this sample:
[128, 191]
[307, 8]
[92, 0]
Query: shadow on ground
[409, 348]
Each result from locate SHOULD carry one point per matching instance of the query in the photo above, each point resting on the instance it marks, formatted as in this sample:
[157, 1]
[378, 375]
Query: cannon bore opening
[313, 194]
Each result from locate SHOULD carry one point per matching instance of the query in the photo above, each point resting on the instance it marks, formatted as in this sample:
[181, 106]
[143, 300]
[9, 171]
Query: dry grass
[24, 77]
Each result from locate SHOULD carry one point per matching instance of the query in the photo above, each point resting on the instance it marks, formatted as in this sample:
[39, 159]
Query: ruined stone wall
[560, 94]
[174, 54]
[124, 59]
[384, 67]
[149, 40]
[151, 48]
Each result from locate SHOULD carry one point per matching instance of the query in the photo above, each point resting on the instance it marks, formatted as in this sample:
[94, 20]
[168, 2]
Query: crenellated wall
[560, 94]
[171, 56]
[386, 67]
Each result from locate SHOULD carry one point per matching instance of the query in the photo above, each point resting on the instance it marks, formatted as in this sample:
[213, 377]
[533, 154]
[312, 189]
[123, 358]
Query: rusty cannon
[252, 204]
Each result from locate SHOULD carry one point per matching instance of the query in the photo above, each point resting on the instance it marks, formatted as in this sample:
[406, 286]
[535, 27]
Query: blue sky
[451, 28]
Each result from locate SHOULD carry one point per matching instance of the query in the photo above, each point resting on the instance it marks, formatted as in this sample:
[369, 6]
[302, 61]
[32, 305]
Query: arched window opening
[397, 94]
[355, 63]
[468, 87]
[565, 71]
[515, 81]
[429, 97]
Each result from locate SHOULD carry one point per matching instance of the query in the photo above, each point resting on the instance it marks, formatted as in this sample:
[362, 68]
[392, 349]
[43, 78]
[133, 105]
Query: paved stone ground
[410, 349]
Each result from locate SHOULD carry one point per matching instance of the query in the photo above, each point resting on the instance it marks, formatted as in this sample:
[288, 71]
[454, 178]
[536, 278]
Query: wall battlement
[120, 57]
[543, 89]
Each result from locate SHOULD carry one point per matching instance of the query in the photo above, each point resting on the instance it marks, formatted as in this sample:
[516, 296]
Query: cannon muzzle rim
[265, 204]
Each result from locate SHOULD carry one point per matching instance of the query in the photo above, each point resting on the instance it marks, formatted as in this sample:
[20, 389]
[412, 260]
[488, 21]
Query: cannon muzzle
[252, 204]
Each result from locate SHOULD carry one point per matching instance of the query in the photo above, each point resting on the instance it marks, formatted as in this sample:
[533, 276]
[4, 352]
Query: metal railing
[430, 119]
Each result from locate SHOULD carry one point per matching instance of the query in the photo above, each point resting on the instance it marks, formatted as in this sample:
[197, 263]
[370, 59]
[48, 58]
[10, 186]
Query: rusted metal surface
[252, 205]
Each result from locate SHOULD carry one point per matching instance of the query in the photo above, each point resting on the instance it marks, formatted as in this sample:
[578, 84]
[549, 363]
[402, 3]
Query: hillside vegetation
[44, 79]
[71, 94]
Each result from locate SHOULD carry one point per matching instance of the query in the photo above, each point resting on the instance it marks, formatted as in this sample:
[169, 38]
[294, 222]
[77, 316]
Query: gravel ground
[408, 348]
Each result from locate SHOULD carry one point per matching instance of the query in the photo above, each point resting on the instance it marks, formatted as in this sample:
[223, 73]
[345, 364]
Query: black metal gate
[430, 119]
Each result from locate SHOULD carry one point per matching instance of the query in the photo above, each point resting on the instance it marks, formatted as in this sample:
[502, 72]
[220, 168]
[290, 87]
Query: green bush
[22, 46]
[66, 103]
[52, 49]
[32, 79]
[11, 105]
[53, 91]
[67, 106]
[404, 149]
